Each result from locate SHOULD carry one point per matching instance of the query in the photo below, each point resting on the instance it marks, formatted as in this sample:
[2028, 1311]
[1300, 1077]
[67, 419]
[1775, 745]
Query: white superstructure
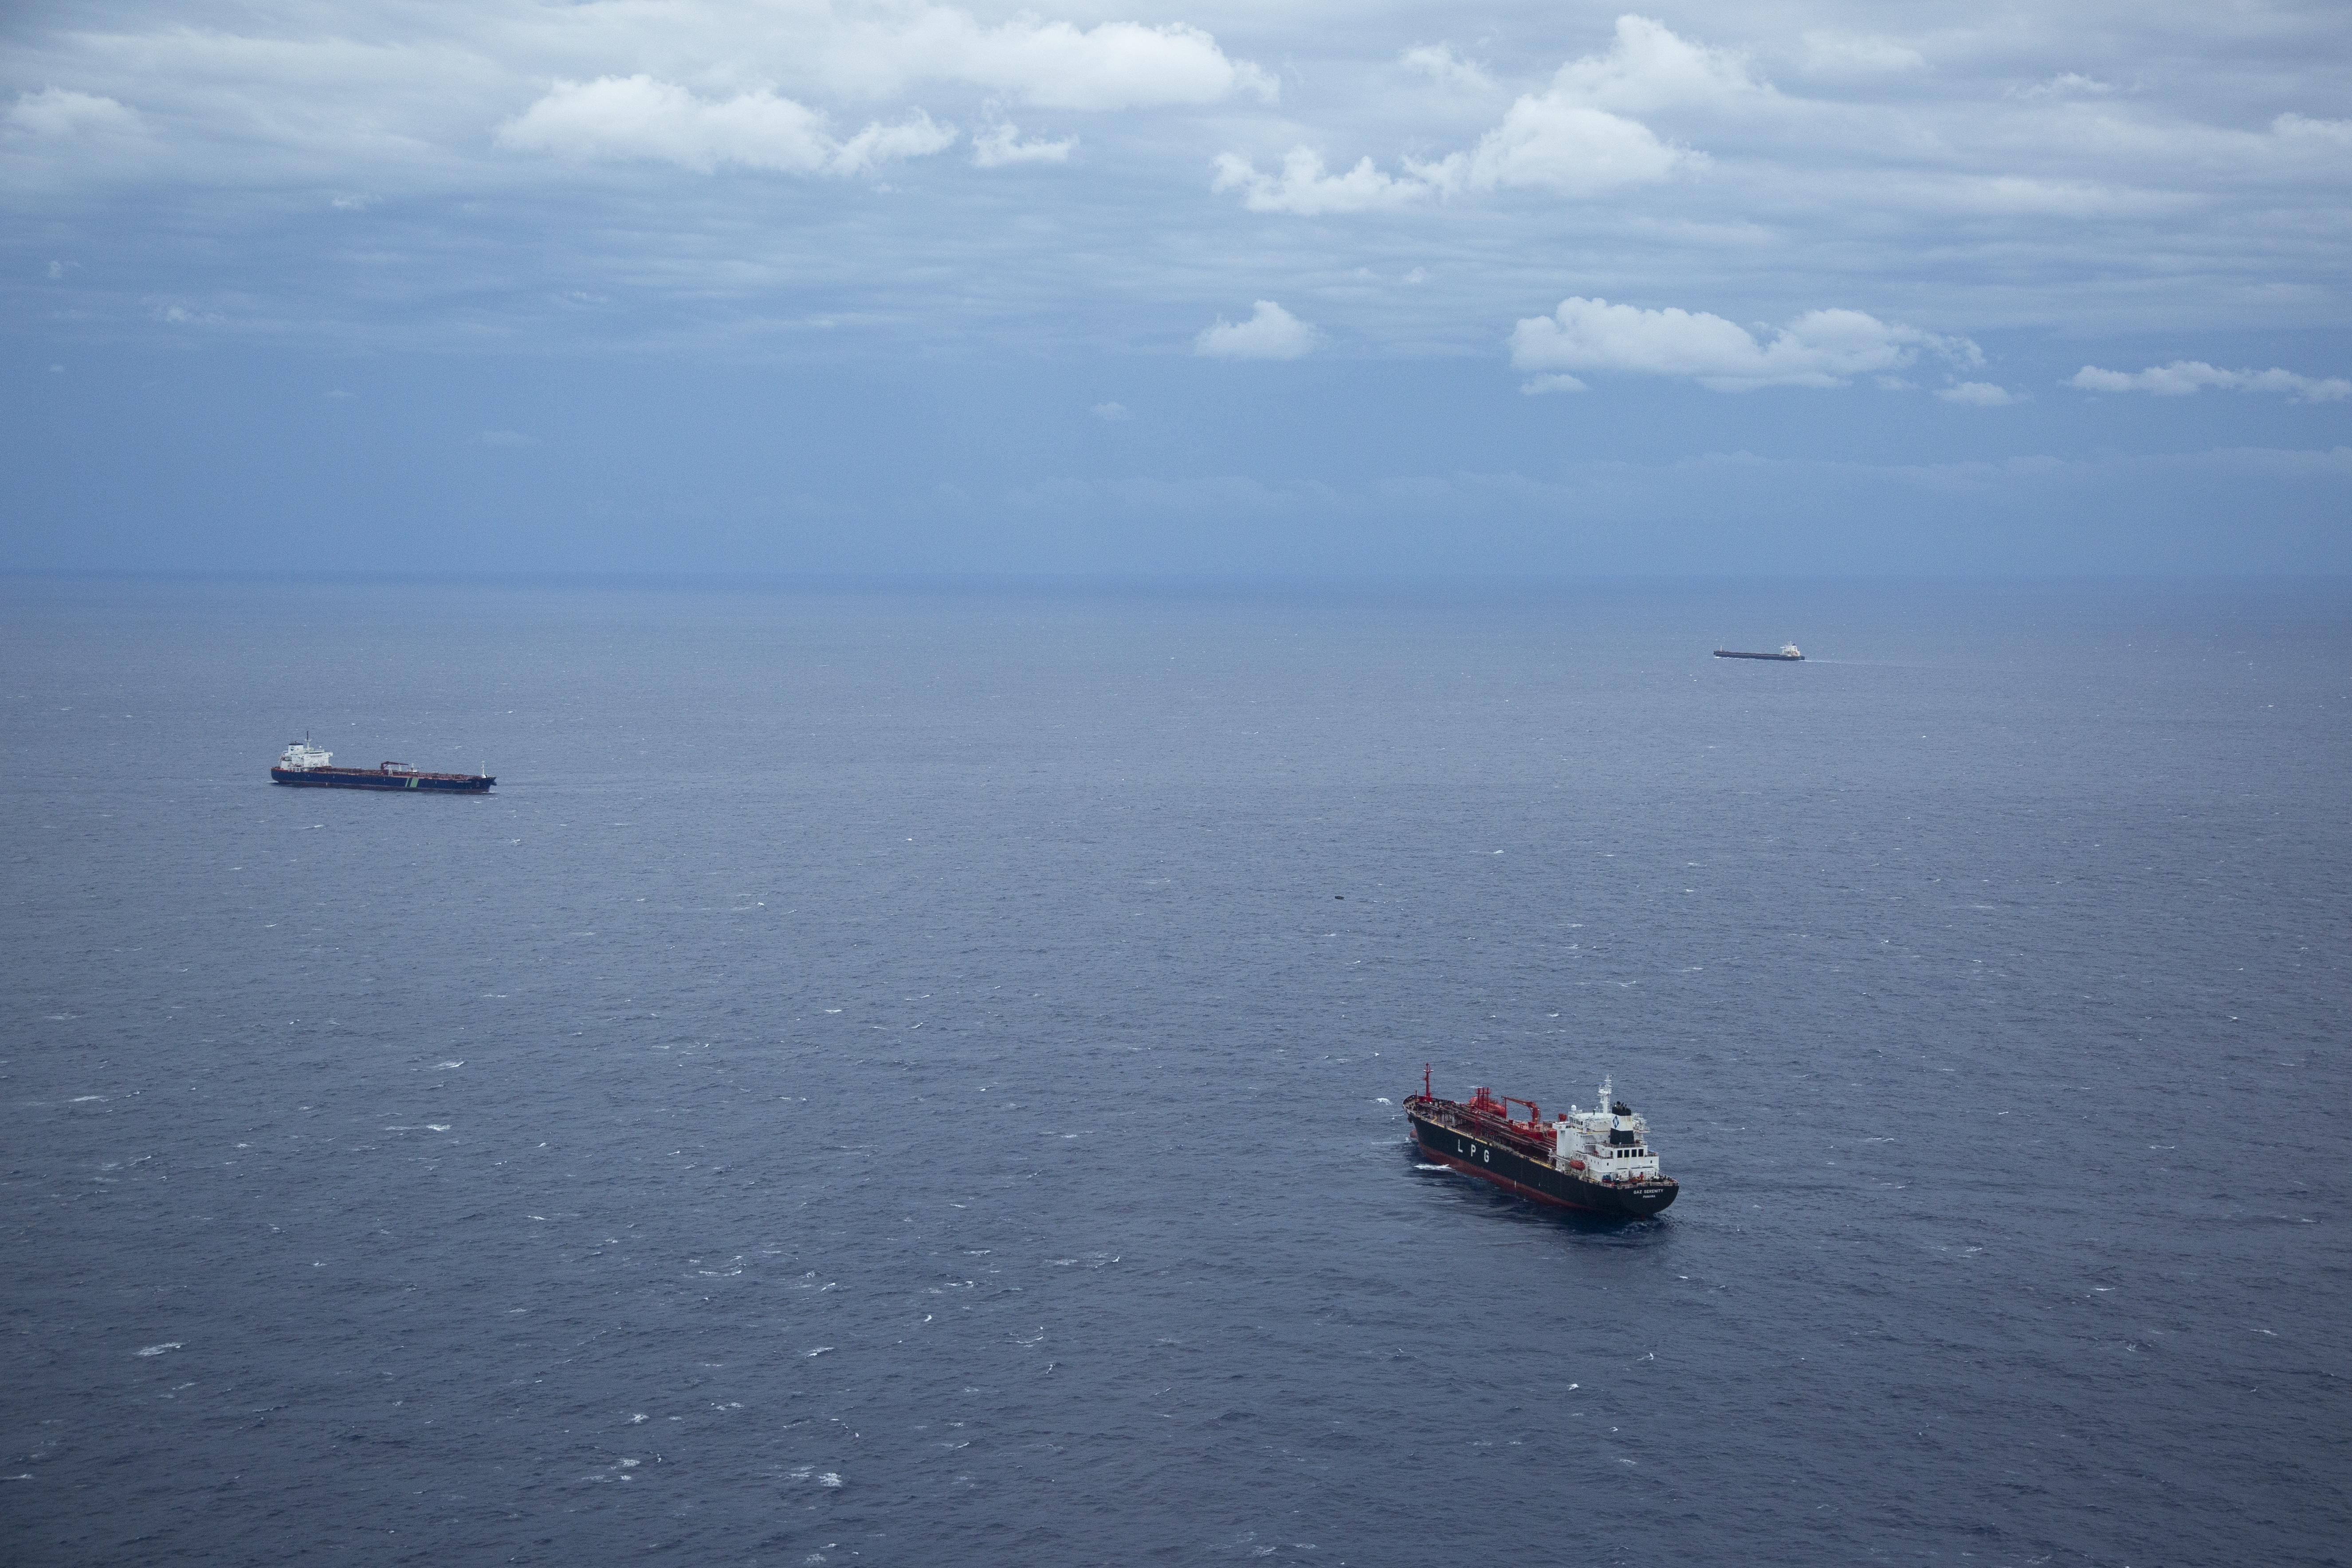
[1789, 650]
[1610, 1139]
[300, 756]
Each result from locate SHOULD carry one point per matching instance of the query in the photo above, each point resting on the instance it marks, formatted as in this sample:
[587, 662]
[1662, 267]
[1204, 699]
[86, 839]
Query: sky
[1786, 287]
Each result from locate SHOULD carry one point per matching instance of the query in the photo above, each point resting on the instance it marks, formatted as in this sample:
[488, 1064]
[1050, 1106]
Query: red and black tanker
[1598, 1160]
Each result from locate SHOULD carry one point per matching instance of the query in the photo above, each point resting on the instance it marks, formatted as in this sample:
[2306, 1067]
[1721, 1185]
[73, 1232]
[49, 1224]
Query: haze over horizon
[707, 286]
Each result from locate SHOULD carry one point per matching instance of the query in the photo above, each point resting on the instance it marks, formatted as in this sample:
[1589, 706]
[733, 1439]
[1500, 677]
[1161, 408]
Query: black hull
[1536, 1179]
[1774, 657]
[358, 778]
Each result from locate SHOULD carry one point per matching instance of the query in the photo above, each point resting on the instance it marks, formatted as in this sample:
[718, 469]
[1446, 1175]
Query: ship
[1598, 1160]
[304, 763]
[1788, 654]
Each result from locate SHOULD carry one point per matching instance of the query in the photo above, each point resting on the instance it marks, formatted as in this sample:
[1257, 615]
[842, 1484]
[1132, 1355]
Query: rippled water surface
[912, 1079]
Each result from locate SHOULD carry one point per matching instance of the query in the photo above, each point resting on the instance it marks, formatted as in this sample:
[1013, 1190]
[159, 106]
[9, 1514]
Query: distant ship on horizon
[306, 764]
[1788, 654]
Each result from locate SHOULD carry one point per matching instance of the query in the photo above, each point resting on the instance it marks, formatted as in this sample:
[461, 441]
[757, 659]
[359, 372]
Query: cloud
[1272, 332]
[2296, 127]
[2185, 376]
[58, 111]
[1437, 62]
[1649, 68]
[881, 50]
[1980, 394]
[1304, 187]
[1571, 140]
[638, 117]
[1551, 143]
[1825, 52]
[1820, 348]
[1055, 65]
[1111, 413]
[1001, 144]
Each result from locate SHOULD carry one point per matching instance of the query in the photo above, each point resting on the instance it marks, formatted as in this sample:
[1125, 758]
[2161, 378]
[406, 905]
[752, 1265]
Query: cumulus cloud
[1978, 394]
[2185, 376]
[639, 116]
[1574, 139]
[1554, 145]
[1111, 413]
[1648, 67]
[1001, 144]
[58, 111]
[1438, 63]
[1306, 188]
[1055, 65]
[879, 49]
[1820, 348]
[1271, 332]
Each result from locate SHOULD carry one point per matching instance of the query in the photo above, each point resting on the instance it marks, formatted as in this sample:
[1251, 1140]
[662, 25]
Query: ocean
[910, 1075]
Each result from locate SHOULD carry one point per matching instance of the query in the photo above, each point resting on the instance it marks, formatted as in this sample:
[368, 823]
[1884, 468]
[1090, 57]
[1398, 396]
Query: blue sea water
[912, 1076]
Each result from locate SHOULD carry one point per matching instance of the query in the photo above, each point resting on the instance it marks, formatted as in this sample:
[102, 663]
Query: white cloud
[1828, 53]
[1649, 68]
[1111, 413]
[2296, 127]
[1820, 348]
[59, 112]
[1055, 65]
[1305, 188]
[1570, 139]
[2185, 376]
[638, 117]
[1551, 143]
[1980, 394]
[882, 49]
[1439, 64]
[1271, 332]
[1001, 144]
[2066, 84]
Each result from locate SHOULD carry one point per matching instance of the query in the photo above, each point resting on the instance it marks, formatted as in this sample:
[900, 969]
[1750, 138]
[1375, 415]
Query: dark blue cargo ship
[1598, 1160]
[305, 764]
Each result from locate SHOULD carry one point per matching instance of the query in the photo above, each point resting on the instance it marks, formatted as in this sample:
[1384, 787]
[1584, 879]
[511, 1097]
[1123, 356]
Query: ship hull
[1774, 658]
[1537, 1180]
[363, 778]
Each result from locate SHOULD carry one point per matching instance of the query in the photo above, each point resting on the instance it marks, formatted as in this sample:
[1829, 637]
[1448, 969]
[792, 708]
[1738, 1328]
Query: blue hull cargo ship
[1598, 1160]
[305, 764]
